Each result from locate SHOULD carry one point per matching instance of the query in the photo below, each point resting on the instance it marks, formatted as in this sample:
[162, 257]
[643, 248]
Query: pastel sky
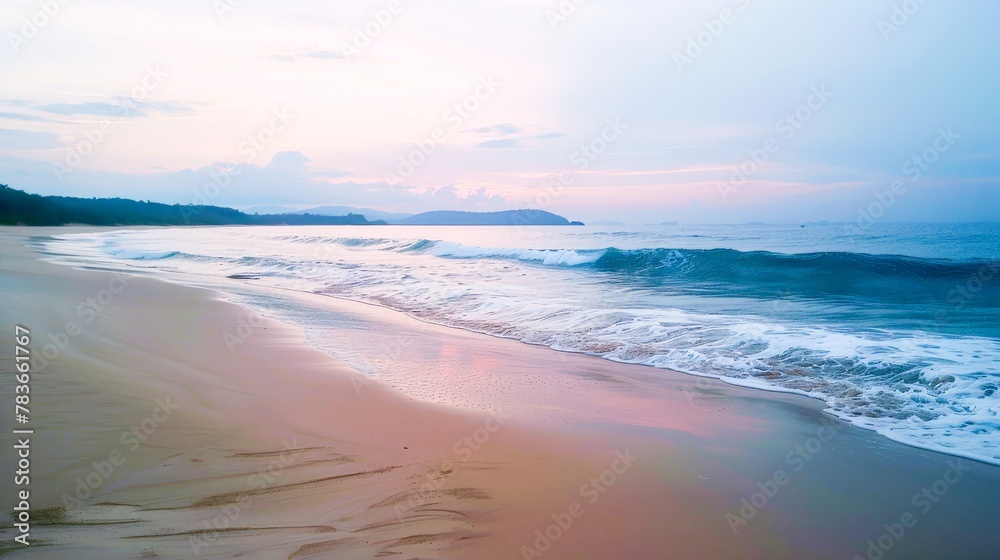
[630, 110]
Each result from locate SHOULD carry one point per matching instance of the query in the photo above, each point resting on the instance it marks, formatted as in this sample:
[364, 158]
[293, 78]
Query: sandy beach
[171, 423]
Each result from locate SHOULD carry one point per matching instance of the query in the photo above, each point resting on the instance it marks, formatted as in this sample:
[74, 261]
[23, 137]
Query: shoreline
[885, 424]
[698, 453]
[159, 487]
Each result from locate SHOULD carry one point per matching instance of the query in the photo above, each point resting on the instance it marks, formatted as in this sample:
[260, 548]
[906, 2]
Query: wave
[133, 255]
[891, 279]
[553, 257]
[904, 345]
[723, 262]
[715, 262]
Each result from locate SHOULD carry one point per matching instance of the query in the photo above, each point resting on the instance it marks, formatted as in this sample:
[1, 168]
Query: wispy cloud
[517, 141]
[125, 108]
[25, 118]
[91, 108]
[11, 139]
[117, 108]
[304, 55]
[500, 143]
[497, 129]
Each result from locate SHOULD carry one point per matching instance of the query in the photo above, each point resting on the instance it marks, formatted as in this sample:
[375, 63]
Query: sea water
[895, 326]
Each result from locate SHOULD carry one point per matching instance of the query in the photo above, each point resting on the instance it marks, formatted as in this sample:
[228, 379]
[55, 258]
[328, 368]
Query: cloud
[289, 178]
[26, 118]
[121, 108]
[480, 196]
[501, 143]
[163, 107]
[476, 198]
[287, 161]
[305, 54]
[497, 129]
[296, 163]
[448, 192]
[93, 108]
[507, 132]
[26, 140]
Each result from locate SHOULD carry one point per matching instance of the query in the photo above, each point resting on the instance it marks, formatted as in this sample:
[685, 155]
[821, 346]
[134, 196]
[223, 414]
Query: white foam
[925, 389]
[133, 255]
[544, 256]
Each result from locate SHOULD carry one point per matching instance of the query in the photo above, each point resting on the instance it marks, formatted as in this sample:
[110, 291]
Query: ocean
[895, 326]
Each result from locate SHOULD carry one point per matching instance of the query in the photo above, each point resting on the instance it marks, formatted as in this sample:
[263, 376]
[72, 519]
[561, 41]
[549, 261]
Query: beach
[170, 422]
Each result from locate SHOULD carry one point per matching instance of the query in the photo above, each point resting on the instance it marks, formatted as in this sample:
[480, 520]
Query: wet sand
[175, 424]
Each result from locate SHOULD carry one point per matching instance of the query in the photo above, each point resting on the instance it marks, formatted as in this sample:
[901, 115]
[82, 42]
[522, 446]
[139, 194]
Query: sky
[637, 111]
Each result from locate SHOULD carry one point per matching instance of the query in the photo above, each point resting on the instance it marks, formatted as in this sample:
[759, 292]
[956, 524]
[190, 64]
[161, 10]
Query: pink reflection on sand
[674, 405]
[544, 383]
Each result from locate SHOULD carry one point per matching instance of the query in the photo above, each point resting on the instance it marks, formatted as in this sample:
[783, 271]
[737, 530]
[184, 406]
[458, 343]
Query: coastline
[350, 458]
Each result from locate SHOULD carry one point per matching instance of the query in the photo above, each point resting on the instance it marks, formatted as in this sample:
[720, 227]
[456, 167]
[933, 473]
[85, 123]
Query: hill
[271, 209]
[20, 208]
[368, 213]
[505, 218]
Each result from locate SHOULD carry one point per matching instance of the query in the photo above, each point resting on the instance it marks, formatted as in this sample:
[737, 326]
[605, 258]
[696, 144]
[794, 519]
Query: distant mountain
[368, 213]
[668, 223]
[20, 208]
[266, 209]
[506, 218]
[312, 220]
